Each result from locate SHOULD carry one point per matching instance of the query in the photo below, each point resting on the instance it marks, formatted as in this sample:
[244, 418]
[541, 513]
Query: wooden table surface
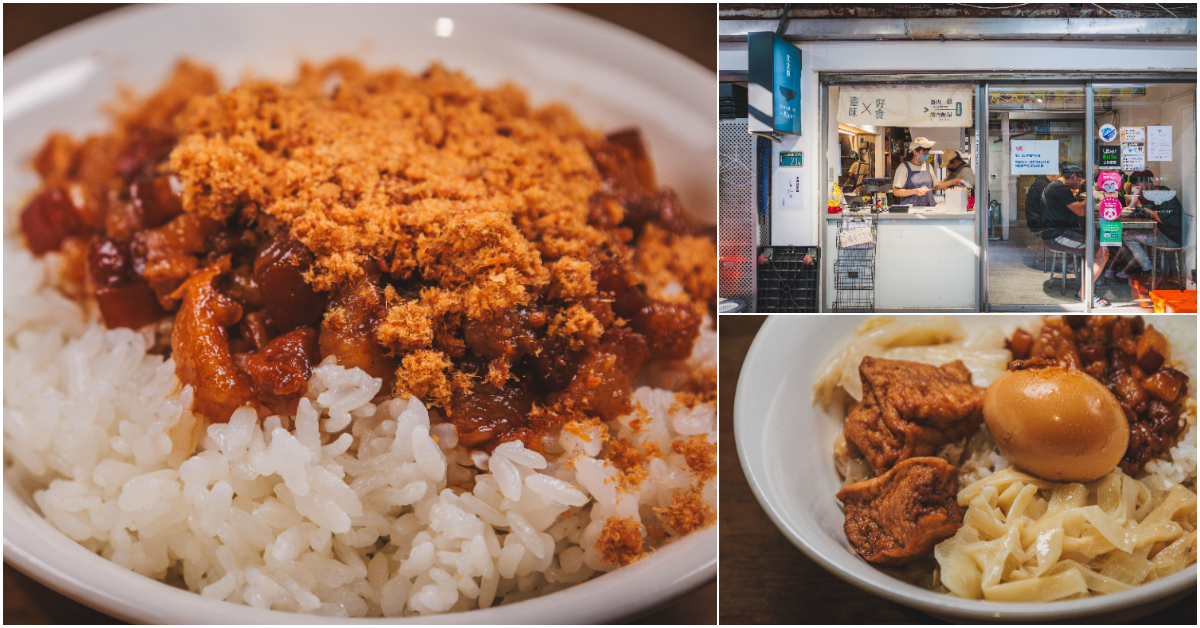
[764, 578]
[688, 29]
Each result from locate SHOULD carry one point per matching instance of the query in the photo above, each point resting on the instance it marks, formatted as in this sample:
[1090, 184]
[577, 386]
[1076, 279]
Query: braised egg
[1057, 423]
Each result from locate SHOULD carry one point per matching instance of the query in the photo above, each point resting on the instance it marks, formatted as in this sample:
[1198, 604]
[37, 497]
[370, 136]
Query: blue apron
[922, 178]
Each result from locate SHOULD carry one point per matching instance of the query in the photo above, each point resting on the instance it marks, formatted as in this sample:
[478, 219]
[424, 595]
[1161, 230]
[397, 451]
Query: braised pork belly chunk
[910, 409]
[899, 516]
[1130, 359]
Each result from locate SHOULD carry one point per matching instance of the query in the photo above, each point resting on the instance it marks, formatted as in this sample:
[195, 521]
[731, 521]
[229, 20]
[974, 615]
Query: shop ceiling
[970, 29]
[947, 22]
[958, 10]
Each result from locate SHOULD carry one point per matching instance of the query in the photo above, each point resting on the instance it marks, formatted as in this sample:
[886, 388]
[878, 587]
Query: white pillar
[880, 155]
[1004, 175]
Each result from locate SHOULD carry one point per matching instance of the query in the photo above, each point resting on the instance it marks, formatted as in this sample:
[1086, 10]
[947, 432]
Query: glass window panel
[1154, 140]
[1032, 132]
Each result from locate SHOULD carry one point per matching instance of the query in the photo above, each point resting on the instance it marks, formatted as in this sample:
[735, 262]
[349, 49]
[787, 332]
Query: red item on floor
[1139, 285]
[1174, 301]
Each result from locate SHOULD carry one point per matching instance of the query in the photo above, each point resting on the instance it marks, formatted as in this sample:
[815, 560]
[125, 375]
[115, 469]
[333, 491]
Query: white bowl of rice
[786, 443]
[266, 490]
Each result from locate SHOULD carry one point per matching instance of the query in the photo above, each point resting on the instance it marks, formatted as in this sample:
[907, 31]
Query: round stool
[1054, 260]
[1177, 251]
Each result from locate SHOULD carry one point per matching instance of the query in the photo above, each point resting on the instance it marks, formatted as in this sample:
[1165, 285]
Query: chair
[1039, 251]
[1054, 260]
[1161, 255]
[1066, 253]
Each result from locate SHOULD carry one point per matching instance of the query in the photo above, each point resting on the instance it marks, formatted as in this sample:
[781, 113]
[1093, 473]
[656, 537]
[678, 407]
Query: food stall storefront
[1017, 101]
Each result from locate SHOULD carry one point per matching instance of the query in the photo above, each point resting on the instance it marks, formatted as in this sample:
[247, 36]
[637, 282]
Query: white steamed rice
[389, 518]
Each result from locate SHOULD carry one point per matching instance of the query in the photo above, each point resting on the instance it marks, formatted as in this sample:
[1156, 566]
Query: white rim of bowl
[913, 596]
[686, 568]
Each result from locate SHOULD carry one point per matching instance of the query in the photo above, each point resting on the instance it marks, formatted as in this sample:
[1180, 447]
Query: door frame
[1064, 80]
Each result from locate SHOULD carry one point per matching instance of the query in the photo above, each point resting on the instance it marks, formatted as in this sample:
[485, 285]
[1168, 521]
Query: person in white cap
[915, 180]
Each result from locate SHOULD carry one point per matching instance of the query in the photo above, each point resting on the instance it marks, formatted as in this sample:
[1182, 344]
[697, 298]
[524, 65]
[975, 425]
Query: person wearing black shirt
[1169, 215]
[1034, 214]
[1063, 219]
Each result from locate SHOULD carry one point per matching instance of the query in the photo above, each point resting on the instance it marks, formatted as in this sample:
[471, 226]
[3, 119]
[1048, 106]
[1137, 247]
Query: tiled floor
[1016, 275]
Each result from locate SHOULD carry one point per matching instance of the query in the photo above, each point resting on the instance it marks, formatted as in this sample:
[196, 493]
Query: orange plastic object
[1140, 285]
[1174, 301]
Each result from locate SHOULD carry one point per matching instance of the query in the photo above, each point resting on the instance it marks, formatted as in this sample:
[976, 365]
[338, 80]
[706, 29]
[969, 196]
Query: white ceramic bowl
[611, 77]
[785, 445]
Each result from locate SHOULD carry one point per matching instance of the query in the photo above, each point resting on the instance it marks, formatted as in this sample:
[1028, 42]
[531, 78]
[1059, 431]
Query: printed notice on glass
[1133, 162]
[1133, 134]
[1158, 143]
[1034, 157]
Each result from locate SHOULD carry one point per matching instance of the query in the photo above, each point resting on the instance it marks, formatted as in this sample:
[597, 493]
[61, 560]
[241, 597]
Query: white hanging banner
[943, 105]
[1034, 157]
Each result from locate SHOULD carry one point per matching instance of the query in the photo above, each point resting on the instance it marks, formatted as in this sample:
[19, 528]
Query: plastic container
[786, 283]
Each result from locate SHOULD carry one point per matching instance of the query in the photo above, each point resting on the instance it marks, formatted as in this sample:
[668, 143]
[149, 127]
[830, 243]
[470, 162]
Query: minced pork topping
[500, 261]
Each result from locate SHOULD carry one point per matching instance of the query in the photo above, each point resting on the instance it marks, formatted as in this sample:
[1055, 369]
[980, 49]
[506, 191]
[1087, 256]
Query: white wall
[801, 227]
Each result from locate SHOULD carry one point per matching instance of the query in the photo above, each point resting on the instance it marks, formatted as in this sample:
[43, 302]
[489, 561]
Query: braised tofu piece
[898, 517]
[910, 409]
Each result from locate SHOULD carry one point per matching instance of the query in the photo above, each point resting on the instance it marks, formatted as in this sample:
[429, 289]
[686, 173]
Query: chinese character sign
[1034, 157]
[907, 106]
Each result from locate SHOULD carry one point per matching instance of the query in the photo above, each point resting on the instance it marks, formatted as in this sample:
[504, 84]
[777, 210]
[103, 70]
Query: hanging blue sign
[774, 94]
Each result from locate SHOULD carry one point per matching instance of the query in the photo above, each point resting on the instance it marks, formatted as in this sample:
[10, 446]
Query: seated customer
[1168, 215]
[1035, 217]
[1063, 231]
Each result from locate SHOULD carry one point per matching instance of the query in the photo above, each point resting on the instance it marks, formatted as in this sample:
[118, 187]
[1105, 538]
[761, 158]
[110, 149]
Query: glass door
[1036, 142]
[1146, 180]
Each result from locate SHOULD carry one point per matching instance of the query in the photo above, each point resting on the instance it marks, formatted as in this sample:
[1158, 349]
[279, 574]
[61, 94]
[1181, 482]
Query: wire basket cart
[854, 270]
[788, 279]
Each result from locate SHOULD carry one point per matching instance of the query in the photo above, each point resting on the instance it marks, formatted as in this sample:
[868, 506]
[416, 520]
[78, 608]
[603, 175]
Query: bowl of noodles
[1002, 558]
[242, 447]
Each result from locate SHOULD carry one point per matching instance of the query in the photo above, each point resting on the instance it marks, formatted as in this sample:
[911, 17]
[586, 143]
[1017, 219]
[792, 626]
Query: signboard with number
[1034, 157]
[793, 159]
[1110, 234]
